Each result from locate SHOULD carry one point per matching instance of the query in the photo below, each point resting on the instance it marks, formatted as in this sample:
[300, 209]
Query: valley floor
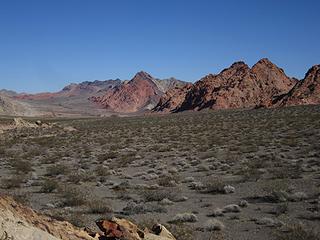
[234, 174]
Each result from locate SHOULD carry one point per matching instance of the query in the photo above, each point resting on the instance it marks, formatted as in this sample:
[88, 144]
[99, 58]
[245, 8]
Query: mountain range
[239, 86]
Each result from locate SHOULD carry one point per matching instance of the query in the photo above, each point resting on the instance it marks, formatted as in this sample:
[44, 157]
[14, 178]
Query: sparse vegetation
[236, 167]
[298, 232]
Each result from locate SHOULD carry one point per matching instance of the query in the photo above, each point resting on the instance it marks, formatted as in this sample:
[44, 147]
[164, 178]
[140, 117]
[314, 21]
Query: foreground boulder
[123, 229]
[19, 222]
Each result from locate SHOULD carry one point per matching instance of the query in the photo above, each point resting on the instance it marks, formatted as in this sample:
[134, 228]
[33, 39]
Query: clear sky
[46, 44]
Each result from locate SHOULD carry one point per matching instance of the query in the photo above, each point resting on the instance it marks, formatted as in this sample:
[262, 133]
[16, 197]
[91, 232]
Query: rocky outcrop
[165, 85]
[305, 92]
[19, 222]
[238, 86]
[172, 99]
[123, 229]
[141, 93]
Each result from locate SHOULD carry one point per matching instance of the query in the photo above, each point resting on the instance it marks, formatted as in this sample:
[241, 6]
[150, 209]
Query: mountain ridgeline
[264, 85]
[239, 86]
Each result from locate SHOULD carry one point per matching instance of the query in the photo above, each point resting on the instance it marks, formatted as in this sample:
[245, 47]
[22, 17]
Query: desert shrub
[169, 180]
[276, 190]
[50, 159]
[156, 195]
[153, 195]
[99, 207]
[281, 209]
[106, 156]
[181, 231]
[2, 151]
[214, 186]
[142, 208]
[269, 222]
[80, 177]
[13, 182]
[102, 171]
[298, 232]
[251, 171]
[48, 186]
[184, 218]
[292, 171]
[57, 169]
[77, 219]
[147, 223]
[22, 197]
[213, 225]
[72, 196]
[21, 166]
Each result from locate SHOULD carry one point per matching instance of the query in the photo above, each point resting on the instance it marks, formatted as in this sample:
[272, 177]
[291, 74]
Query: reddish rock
[131, 96]
[117, 228]
[172, 99]
[141, 93]
[239, 87]
[305, 92]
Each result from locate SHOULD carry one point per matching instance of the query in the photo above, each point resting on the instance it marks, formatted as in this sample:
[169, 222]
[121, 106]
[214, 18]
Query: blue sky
[45, 45]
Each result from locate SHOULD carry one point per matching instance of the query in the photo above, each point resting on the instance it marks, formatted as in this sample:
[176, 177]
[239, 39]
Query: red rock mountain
[238, 86]
[172, 99]
[140, 93]
[305, 92]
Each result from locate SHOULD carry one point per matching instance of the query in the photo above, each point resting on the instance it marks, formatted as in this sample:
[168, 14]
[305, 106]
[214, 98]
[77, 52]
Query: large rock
[305, 92]
[172, 99]
[123, 229]
[19, 223]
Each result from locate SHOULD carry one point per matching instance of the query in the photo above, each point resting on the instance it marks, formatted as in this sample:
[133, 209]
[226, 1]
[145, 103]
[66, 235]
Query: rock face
[305, 92]
[140, 93]
[172, 99]
[19, 222]
[238, 86]
[123, 229]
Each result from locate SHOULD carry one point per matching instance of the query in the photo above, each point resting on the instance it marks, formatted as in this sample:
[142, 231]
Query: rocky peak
[305, 92]
[236, 69]
[238, 86]
[239, 64]
[313, 72]
[265, 64]
[143, 76]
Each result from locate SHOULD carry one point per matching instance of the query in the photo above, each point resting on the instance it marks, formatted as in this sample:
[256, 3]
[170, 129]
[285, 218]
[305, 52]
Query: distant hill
[83, 89]
[11, 107]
